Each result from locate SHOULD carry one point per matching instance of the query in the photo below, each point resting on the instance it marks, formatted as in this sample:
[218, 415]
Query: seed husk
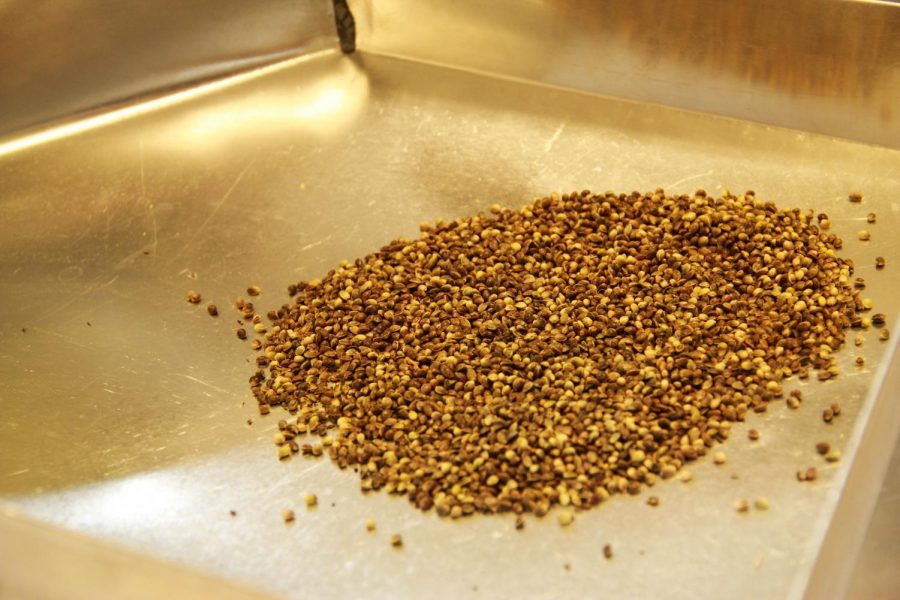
[455, 367]
[193, 297]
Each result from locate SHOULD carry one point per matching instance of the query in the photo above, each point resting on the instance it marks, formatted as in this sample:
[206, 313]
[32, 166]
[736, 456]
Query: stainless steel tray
[125, 408]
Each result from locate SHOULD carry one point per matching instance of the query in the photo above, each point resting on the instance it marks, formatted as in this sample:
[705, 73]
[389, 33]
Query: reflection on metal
[62, 58]
[826, 66]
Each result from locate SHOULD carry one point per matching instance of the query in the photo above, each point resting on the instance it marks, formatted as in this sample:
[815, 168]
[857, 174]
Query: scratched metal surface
[125, 408]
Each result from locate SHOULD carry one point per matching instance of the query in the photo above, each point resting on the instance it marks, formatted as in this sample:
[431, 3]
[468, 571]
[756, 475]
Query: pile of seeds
[579, 347]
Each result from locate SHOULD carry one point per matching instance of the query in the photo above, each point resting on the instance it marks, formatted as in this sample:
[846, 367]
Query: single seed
[370, 524]
[311, 500]
[254, 290]
[242, 333]
[520, 522]
[653, 501]
[288, 516]
[233, 513]
[860, 361]
[879, 262]
[213, 310]
[284, 451]
[884, 334]
[761, 503]
[858, 340]
[823, 448]
[855, 197]
[811, 474]
[828, 415]
[686, 476]
[833, 456]
[835, 409]
[870, 217]
[719, 458]
[753, 435]
[193, 297]
[792, 402]
[607, 551]
[864, 235]
[396, 540]
[565, 518]
[878, 319]
[741, 506]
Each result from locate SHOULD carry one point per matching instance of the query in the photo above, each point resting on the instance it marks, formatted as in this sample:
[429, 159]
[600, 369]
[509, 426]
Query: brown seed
[520, 522]
[884, 334]
[878, 319]
[835, 409]
[879, 262]
[370, 524]
[213, 310]
[828, 415]
[811, 474]
[653, 501]
[870, 217]
[741, 506]
[607, 551]
[859, 283]
[233, 513]
[254, 290]
[193, 297]
[396, 540]
[288, 516]
[241, 333]
[823, 448]
[860, 361]
[855, 197]
[753, 435]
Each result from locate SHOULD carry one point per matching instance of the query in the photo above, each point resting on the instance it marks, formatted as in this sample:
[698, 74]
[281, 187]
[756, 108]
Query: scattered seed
[879, 262]
[520, 522]
[828, 415]
[859, 283]
[860, 361]
[858, 340]
[464, 369]
[288, 516]
[213, 310]
[870, 217]
[565, 518]
[823, 448]
[284, 451]
[825, 224]
[792, 402]
[719, 458]
[254, 290]
[801, 476]
[653, 501]
[884, 334]
[370, 524]
[193, 297]
[864, 235]
[878, 319]
[607, 551]
[233, 513]
[741, 506]
[396, 540]
[761, 503]
[835, 409]
[686, 476]
[242, 333]
[753, 435]
[833, 456]
[855, 197]
[311, 500]
[811, 474]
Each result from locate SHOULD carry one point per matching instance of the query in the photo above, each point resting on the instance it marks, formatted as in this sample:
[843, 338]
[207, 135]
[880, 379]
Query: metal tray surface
[126, 408]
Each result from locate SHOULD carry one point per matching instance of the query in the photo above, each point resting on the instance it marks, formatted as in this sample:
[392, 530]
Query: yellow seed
[565, 518]
[311, 500]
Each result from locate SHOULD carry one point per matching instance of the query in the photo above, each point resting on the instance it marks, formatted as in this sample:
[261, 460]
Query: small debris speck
[520, 522]
[607, 551]
[233, 513]
[686, 476]
[653, 501]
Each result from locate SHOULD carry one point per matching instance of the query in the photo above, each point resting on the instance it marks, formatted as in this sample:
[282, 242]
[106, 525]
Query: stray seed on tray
[193, 297]
[607, 551]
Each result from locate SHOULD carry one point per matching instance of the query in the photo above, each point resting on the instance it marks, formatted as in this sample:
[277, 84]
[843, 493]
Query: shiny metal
[825, 66]
[59, 58]
[125, 407]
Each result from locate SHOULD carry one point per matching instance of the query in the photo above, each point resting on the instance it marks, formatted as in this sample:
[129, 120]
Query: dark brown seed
[607, 551]
[254, 290]
[233, 513]
[193, 297]
[753, 435]
[855, 197]
[879, 262]
[212, 310]
[878, 319]
[823, 448]
[871, 217]
[241, 333]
